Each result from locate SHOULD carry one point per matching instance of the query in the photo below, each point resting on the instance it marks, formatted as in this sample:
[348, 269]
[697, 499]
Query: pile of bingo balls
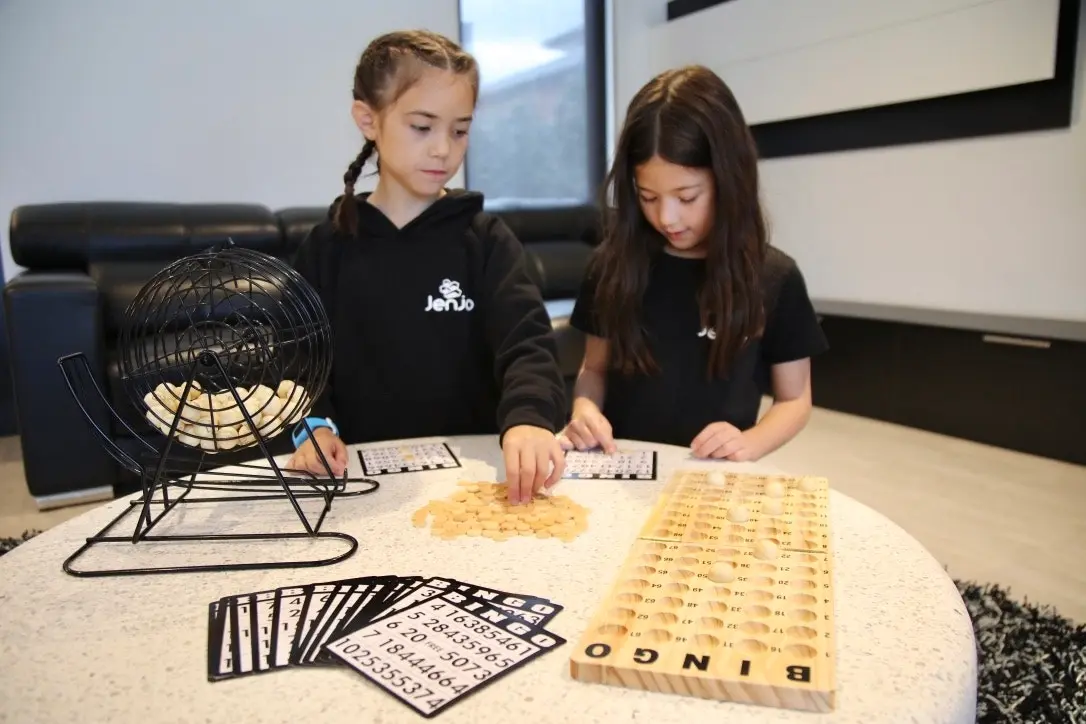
[216, 422]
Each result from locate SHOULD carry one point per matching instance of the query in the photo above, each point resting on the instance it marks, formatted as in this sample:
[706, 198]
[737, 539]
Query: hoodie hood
[449, 215]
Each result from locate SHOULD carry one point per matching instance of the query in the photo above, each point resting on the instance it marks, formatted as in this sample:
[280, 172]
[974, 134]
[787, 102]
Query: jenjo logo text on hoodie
[452, 299]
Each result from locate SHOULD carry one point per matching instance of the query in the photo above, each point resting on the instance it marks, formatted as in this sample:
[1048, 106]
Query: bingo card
[407, 458]
[622, 465]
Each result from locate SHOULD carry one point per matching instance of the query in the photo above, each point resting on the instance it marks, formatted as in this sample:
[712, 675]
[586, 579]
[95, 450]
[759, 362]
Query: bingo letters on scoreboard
[726, 594]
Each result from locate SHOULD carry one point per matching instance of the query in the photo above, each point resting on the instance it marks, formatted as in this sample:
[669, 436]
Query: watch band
[300, 433]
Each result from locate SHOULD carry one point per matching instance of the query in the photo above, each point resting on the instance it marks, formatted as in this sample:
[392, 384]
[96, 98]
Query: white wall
[200, 100]
[910, 225]
[834, 55]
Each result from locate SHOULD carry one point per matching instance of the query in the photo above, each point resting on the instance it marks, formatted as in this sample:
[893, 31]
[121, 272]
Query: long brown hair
[389, 65]
[688, 117]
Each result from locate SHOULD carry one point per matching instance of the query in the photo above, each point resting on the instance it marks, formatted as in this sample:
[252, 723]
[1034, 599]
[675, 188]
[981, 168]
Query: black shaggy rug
[1031, 660]
[7, 544]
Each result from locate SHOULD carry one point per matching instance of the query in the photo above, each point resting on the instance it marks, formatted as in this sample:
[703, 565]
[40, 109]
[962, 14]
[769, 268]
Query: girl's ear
[365, 119]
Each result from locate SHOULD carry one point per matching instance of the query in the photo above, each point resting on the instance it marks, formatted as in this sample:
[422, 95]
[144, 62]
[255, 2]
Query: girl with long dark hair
[690, 315]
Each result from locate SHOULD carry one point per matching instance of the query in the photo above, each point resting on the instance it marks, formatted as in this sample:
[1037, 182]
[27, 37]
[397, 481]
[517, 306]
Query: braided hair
[389, 65]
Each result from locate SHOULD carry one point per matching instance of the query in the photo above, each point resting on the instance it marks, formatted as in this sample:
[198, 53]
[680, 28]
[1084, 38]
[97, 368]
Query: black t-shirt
[673, 405]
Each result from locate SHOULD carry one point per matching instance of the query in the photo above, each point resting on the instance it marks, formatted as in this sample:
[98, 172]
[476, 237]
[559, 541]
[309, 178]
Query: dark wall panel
[1017, 392]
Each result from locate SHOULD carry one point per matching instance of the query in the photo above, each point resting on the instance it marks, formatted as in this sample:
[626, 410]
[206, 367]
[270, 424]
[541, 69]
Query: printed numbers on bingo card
[431, 655]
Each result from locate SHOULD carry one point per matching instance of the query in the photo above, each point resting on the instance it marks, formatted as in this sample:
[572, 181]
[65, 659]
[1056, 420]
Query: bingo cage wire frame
[242, 323]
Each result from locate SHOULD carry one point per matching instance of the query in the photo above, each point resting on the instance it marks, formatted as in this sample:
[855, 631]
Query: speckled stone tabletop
[134, 648]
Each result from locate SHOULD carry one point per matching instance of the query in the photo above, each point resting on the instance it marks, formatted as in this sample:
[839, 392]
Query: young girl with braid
[690, 315]
[437, 327]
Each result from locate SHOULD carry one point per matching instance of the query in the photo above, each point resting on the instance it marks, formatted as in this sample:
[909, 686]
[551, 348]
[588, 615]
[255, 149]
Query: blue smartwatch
[300, 433]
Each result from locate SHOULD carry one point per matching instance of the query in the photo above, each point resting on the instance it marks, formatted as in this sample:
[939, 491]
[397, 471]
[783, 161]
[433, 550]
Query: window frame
[598, 92]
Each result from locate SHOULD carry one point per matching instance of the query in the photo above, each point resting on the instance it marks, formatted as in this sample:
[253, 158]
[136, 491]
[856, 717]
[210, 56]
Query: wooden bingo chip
[726, 594]
[481, 509]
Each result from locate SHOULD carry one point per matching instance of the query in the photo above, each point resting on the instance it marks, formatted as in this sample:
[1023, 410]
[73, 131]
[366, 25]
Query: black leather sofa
[85, 262]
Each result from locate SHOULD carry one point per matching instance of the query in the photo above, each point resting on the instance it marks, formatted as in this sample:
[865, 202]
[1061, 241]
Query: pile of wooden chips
[482, 509]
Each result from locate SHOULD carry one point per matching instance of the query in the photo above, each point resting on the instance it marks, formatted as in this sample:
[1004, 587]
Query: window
[538, 137]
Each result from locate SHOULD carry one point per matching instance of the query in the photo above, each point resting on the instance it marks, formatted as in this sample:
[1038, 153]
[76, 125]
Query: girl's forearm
[781, 422]
[590, 386]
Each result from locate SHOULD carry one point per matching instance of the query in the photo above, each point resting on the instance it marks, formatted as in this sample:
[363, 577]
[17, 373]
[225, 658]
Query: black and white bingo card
[442, 649]
[621, 465]
[415, 457]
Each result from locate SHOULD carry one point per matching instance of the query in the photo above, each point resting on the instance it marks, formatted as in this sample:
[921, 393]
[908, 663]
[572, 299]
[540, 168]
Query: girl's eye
[688, 201]
[461, 134]
[646, 200]
[421, 129]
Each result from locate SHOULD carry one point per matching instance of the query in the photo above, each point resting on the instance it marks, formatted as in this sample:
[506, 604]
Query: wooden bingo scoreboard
[726, 594]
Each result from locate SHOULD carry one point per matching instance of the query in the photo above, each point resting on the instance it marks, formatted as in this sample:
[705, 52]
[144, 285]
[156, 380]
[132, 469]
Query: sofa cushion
[547, 223]
[558, 267]
[72, 235]
[118, 284]
[296, 222]
[207, 295]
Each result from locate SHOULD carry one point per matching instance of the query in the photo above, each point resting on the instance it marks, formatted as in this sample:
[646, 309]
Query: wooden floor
[988, 514]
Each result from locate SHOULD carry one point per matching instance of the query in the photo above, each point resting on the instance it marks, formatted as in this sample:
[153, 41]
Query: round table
[134, 648]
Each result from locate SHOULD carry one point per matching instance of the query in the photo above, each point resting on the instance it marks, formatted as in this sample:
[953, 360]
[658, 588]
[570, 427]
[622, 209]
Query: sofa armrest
[51, 314]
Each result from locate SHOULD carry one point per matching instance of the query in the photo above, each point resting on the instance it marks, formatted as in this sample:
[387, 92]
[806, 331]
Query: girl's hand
[306, 457]
[721, 440]
[588, 429]
[529, 454]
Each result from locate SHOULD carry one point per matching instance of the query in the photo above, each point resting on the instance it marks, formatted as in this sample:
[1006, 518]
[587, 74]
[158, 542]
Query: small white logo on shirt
[707, 332]
[453, 299]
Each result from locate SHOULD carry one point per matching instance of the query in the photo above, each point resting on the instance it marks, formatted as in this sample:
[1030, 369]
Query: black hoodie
[437, 328]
